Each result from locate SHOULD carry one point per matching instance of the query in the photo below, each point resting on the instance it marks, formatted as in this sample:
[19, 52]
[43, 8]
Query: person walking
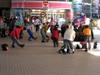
[43, 31]
[91, 25]
[69, 37]
[55, 36]
[87, 35]
[30, 31]
[15, 33]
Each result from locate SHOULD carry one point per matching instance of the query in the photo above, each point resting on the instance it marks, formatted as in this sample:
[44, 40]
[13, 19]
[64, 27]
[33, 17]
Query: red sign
[45, 3]
[40, 4]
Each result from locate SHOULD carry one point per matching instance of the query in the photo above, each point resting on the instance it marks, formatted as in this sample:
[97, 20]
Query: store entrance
[59, 15]
[49, 13]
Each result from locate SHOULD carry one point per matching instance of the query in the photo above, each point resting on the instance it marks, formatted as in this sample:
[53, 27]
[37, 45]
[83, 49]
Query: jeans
[30, 34]
[68, 44]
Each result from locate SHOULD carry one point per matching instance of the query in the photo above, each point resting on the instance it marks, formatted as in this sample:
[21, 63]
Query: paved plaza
[42, 59]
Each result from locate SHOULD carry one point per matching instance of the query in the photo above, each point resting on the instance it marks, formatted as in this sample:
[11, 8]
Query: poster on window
[77, 5]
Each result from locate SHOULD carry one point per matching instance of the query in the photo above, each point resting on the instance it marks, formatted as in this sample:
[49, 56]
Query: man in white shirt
[37, 23]
[69, 36]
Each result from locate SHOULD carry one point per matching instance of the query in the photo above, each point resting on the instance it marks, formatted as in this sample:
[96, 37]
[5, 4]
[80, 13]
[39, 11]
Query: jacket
[69, 34]
[16, 32]
[87, 31]
[55, 34]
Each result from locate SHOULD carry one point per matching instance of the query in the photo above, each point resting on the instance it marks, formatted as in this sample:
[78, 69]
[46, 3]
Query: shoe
[13, 46]
[35, 38]
[60, 51]
[73, 52]
[29, 39]
[47, 40]
[86, 50]
[42, 41]
[22, 45]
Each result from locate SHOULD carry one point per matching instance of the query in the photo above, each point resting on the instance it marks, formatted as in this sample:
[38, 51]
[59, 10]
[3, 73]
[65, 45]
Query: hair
[86, 26]
[91, 20]
[17, 26]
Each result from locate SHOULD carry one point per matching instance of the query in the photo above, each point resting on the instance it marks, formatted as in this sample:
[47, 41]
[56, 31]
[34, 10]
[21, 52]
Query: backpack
[87, 31]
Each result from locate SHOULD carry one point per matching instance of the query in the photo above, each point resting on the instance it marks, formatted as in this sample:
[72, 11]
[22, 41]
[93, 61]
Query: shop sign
[45, 3]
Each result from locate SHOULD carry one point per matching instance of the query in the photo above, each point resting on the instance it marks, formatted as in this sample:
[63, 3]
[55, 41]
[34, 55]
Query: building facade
[53, 8]
[64, 5]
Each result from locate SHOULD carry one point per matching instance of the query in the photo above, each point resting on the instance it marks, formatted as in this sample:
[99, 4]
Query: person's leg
[13, 42]
[30, 34]
[1, 32]
[89, 43]
[17, 42]
[71, 46]
[56, 43]
[42, 36]
[37, 28]
[86, 43]
[66, 45]
[4, 32]
[92, 35]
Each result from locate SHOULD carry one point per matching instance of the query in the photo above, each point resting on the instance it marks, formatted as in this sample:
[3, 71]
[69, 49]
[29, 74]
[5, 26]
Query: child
[87, 36]
[55, 36]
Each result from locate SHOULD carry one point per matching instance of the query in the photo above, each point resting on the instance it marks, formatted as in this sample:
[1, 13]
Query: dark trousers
[3, 32]
[37, 28]
[87, 40]
[43, 35]
[68, 44]
[15, 41]
[92, 35]
[55, 42]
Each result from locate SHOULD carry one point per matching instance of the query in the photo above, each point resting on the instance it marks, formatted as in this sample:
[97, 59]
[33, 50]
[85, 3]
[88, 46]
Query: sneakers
[13, 46]
[35, 38]
[22, 45]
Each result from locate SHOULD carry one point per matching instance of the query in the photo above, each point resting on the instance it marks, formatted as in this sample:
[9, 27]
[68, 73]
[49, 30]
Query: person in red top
[15, 34]
[55, 36]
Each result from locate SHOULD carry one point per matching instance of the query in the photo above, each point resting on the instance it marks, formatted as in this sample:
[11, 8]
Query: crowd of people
[13, 27]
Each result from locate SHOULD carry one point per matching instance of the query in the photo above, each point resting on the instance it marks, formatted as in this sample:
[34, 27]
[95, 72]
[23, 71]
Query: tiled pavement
[37, 59]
